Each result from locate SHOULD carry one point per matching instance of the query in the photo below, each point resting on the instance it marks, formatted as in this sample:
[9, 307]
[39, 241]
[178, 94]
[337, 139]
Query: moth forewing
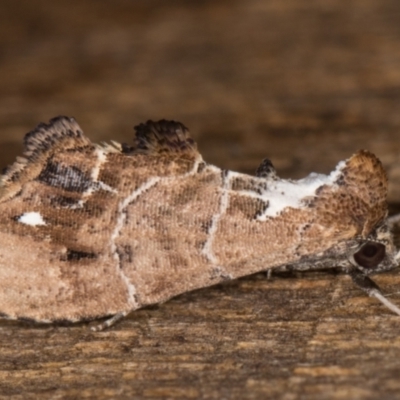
[90, 231]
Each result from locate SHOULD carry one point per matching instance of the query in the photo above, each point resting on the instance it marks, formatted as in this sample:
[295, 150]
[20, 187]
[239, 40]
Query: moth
[90, 231]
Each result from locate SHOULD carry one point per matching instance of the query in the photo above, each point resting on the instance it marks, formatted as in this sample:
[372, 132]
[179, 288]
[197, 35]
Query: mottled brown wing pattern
[94, 230]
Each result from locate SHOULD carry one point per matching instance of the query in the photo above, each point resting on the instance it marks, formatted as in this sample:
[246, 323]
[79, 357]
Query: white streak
[125, 203]
[282, 193]
[101, 155]
[101, 159]
[32, 218]
[117, 230]
[107, 188]
[285, 193]
[224, 202]
[134, 195]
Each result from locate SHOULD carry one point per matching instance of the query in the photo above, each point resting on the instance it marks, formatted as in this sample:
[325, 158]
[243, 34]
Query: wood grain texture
[304, 83]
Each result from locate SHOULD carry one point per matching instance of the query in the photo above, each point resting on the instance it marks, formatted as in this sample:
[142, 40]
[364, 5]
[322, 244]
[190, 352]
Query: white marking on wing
[117, 230]
[282, 193]
[223, 206]
[101, 155]
[107, 188]
[101, 159]
[124, 203]
[32, 218]
[285, 193]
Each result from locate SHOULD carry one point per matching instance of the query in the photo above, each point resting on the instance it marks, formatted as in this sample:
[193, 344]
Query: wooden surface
[305, 83]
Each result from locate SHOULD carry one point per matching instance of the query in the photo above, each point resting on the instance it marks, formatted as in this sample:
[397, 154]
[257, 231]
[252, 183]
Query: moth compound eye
[370, 255]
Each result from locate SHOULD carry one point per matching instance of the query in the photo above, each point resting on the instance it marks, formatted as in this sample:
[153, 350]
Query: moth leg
[109, 322]
[372, 289]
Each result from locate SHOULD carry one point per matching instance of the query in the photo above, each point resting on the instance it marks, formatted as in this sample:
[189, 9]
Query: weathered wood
[304, 84]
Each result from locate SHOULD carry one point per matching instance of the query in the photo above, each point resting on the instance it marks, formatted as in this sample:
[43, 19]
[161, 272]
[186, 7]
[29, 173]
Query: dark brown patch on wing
[247, 184]
[69, 178]
[41, 139]
[45, 136]
[76, 255]
[163, 137]
[266, 170]
[64, 201]
[247, 207]
[125, 254]
[40, 144]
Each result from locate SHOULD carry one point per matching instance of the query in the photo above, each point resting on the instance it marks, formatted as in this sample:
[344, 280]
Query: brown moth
[90, 231]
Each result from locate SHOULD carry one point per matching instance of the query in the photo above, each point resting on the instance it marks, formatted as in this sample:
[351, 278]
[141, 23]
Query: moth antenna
[378, 295]
[372, 289]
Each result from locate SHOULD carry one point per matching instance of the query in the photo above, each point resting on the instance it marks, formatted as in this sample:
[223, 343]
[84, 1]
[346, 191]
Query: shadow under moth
[91, 231]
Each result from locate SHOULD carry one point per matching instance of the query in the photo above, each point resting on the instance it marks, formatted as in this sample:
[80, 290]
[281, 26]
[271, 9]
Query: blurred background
[305, 83]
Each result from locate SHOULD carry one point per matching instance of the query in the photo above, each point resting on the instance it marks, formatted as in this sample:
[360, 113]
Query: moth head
[375, 253]
[359, 200]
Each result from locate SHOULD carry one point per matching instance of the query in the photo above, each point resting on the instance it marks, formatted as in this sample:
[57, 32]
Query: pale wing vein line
[117, 230]
[208, 250]
[122, 218]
